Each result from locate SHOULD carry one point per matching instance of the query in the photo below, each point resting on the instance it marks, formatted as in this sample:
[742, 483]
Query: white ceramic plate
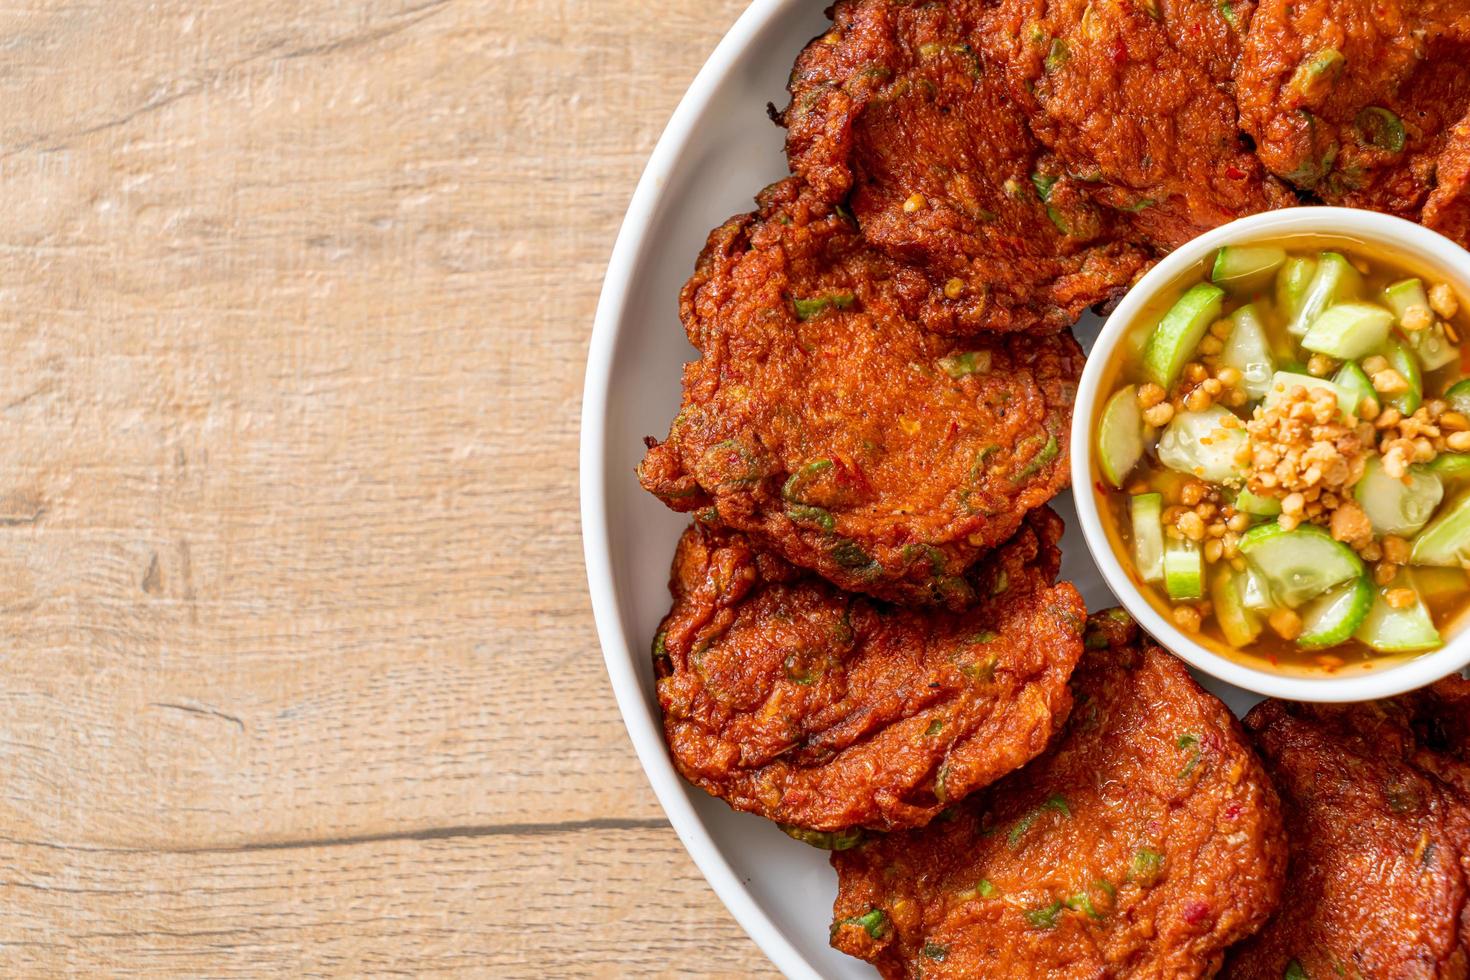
[717, 152]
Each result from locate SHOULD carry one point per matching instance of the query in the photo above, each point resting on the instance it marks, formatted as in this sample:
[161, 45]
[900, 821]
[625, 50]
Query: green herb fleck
[836, 840]
[966, 364]
[1043, 184]
[874, 922]
[1044, 917]
[1190, 744]
[1058, 803]
[1294, 971]
[812, 516]
[847, 554]
[1227, 10]
[1139, 205]
[796, 485]
[1057, 55]
[935, 727]
[985, 889]
[1083, 902]
[807, 308]
[1048, 452]
[1147, 865]
[934, 951]
[1381, 128]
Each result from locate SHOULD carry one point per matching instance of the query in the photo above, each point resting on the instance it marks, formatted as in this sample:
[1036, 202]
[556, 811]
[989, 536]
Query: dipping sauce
[1284, 456]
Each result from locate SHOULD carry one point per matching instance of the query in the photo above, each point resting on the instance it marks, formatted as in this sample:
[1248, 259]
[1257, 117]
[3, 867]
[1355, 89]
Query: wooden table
[299, 673]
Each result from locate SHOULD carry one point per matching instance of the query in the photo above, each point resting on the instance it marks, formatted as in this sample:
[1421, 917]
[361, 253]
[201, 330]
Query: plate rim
[613, 635]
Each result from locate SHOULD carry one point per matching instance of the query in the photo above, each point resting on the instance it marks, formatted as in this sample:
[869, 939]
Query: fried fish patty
[1124, 94]
[895, 111]
[1145, 841]
[824, 422]
[1355, 100]
[1378, 840]
[826, 711]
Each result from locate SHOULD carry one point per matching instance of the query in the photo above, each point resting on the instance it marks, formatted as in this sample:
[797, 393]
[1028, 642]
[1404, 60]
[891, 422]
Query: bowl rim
[643, 729]
[1419, 244]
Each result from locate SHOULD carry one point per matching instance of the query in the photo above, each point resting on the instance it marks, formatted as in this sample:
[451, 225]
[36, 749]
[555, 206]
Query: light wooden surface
[298, 674]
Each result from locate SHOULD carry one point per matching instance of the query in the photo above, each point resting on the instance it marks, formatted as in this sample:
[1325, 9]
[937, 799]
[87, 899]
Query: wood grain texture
[299, 674]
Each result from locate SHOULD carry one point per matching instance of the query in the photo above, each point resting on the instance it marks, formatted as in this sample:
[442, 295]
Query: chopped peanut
[1417, 318]
[1286, 623]
[1400, 598]
[1150, 395]
[1375, 364]
[1350, 524]
[954, 289]
[1442, 300]
[1458, 441]
[1389, 382]
[1395, 549]
[1160, 415]
[1385, 572]
[1187, 618]
[914, 203]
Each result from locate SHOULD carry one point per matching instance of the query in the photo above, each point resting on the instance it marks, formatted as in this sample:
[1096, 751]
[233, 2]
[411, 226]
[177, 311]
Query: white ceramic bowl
[1418, 248]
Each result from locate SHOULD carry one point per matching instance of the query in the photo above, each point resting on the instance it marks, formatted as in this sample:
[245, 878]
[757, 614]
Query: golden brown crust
[1142, 844]
[820, 709]
[1121, 92]
[847, 439]
[1316, 75]
[1378, 836]
[896, 111]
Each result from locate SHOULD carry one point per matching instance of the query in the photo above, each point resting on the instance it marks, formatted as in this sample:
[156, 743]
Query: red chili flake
[1100, 488]
[1119, 52]
[650, 442]
[1232, 811]
[1196, 912]
[1235, 173]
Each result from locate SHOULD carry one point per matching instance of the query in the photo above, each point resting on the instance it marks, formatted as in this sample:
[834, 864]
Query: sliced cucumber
[1147, 511]
[1291, 285]
[1301, 564]
[1240, 625]
[1283, 381]
[1198, 443]
[1335, 281]
[1351, 378]
[1446, 540]
[1349, 330]
[1333, 618]
[1398, 507]
[1459, 396]
[1246, 268]
[1184, 569]
[1402, 360]
[1249, 352]
[1255, 594]
[1390, 630]
[1120, 436]
[1248, 503]
[1402, 295]
[1174, 340]
[1451, 466]
[1430, 345]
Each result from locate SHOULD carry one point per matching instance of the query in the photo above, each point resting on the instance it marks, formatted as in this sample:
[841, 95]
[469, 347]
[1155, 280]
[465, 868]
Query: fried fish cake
[1118, 91]
[894, 111]
[824, 422]
[826, 711]
[1377, 845]
[1355, 100]
[1145, 841]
